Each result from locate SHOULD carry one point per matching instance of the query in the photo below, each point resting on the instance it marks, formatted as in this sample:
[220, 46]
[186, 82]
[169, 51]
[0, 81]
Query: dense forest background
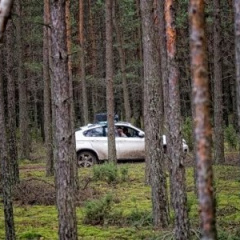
[156, 65]
[127, 40]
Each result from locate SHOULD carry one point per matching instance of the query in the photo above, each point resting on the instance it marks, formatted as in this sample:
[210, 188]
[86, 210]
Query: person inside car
[120, 132]
[125, 131]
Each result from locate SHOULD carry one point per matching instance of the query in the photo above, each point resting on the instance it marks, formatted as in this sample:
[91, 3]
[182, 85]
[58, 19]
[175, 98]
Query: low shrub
[30, 236]
[139, 218]
[110, 173]
[98, 211]
[124, 173]
[222, 235]
[105, 172]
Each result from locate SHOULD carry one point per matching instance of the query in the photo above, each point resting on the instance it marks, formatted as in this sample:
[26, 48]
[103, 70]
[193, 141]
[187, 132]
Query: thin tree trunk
[82, 63]
[11, 126]
[47, 93]
[122, 55]
[138, 105]
[163, 55]
[218, 91]
[64, 140]
[72, 115]
[24, 146]
[5, 167]
[109, 81]
[237, 55]
[93, 57]
[179, 194]
[203, 131]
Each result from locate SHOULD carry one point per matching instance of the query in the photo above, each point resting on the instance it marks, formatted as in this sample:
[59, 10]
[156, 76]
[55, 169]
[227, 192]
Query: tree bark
[122, 55]
[179, 195]
[47, 92]
[237, 55]
[11, 126]
[93, 57]
[24, 146]
[64, 140]
[218, 91]
[109, 81]
[5, 167]
[82, 63]
[153, 119]
[203, 131]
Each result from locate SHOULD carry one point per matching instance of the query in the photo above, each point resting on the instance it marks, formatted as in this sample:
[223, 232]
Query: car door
[131, 147]
[97, 138]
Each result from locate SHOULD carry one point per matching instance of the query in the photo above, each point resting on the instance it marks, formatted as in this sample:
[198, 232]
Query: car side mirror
[141, 134]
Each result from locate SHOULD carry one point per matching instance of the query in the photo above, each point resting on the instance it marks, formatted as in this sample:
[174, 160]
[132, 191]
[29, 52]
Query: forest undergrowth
[113, 202]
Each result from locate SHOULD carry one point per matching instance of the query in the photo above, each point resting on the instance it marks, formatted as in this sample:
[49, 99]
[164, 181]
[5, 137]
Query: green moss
[131, 200]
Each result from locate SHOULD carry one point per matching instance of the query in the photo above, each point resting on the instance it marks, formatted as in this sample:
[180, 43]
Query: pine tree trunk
[11, 126]
[109, 81]
[126, 101]
[237, 55]
[218, 91]
[203, 129]
[64, 140]
[47, 93]
[93, 58]
[82, 63]
[179, 194]
[5, 167]
[24, 146]
[153, 119]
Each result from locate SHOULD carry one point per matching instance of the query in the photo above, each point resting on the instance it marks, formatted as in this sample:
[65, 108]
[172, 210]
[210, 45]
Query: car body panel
[130, 148]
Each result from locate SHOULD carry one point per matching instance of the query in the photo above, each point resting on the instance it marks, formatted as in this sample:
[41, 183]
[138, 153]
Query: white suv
[92, 143]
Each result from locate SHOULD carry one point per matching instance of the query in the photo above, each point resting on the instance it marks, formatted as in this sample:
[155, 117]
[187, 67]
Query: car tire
[86, 159]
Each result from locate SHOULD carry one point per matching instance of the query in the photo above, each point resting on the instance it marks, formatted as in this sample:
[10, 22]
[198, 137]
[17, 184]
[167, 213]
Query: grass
[131, 200]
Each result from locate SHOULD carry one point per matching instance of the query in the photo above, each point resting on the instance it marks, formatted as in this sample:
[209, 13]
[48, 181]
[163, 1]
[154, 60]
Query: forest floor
[117, 204]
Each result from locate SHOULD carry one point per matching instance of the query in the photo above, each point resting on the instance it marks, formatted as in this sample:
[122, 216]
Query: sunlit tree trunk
[64, 140]
[47, 92]
[5, 167]
[179, 194]
[218, 91]
[82, 62]
[153, 118]
[203, 130]
[109, 81]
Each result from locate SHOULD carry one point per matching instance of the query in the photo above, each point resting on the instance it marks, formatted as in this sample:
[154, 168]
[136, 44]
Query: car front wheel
[86, 159]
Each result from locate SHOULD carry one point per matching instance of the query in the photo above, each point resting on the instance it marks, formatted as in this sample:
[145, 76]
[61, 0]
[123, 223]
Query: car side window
[129, 132]
[94, 132]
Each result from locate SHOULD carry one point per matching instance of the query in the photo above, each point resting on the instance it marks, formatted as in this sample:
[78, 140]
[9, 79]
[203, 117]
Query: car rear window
[95, 132]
